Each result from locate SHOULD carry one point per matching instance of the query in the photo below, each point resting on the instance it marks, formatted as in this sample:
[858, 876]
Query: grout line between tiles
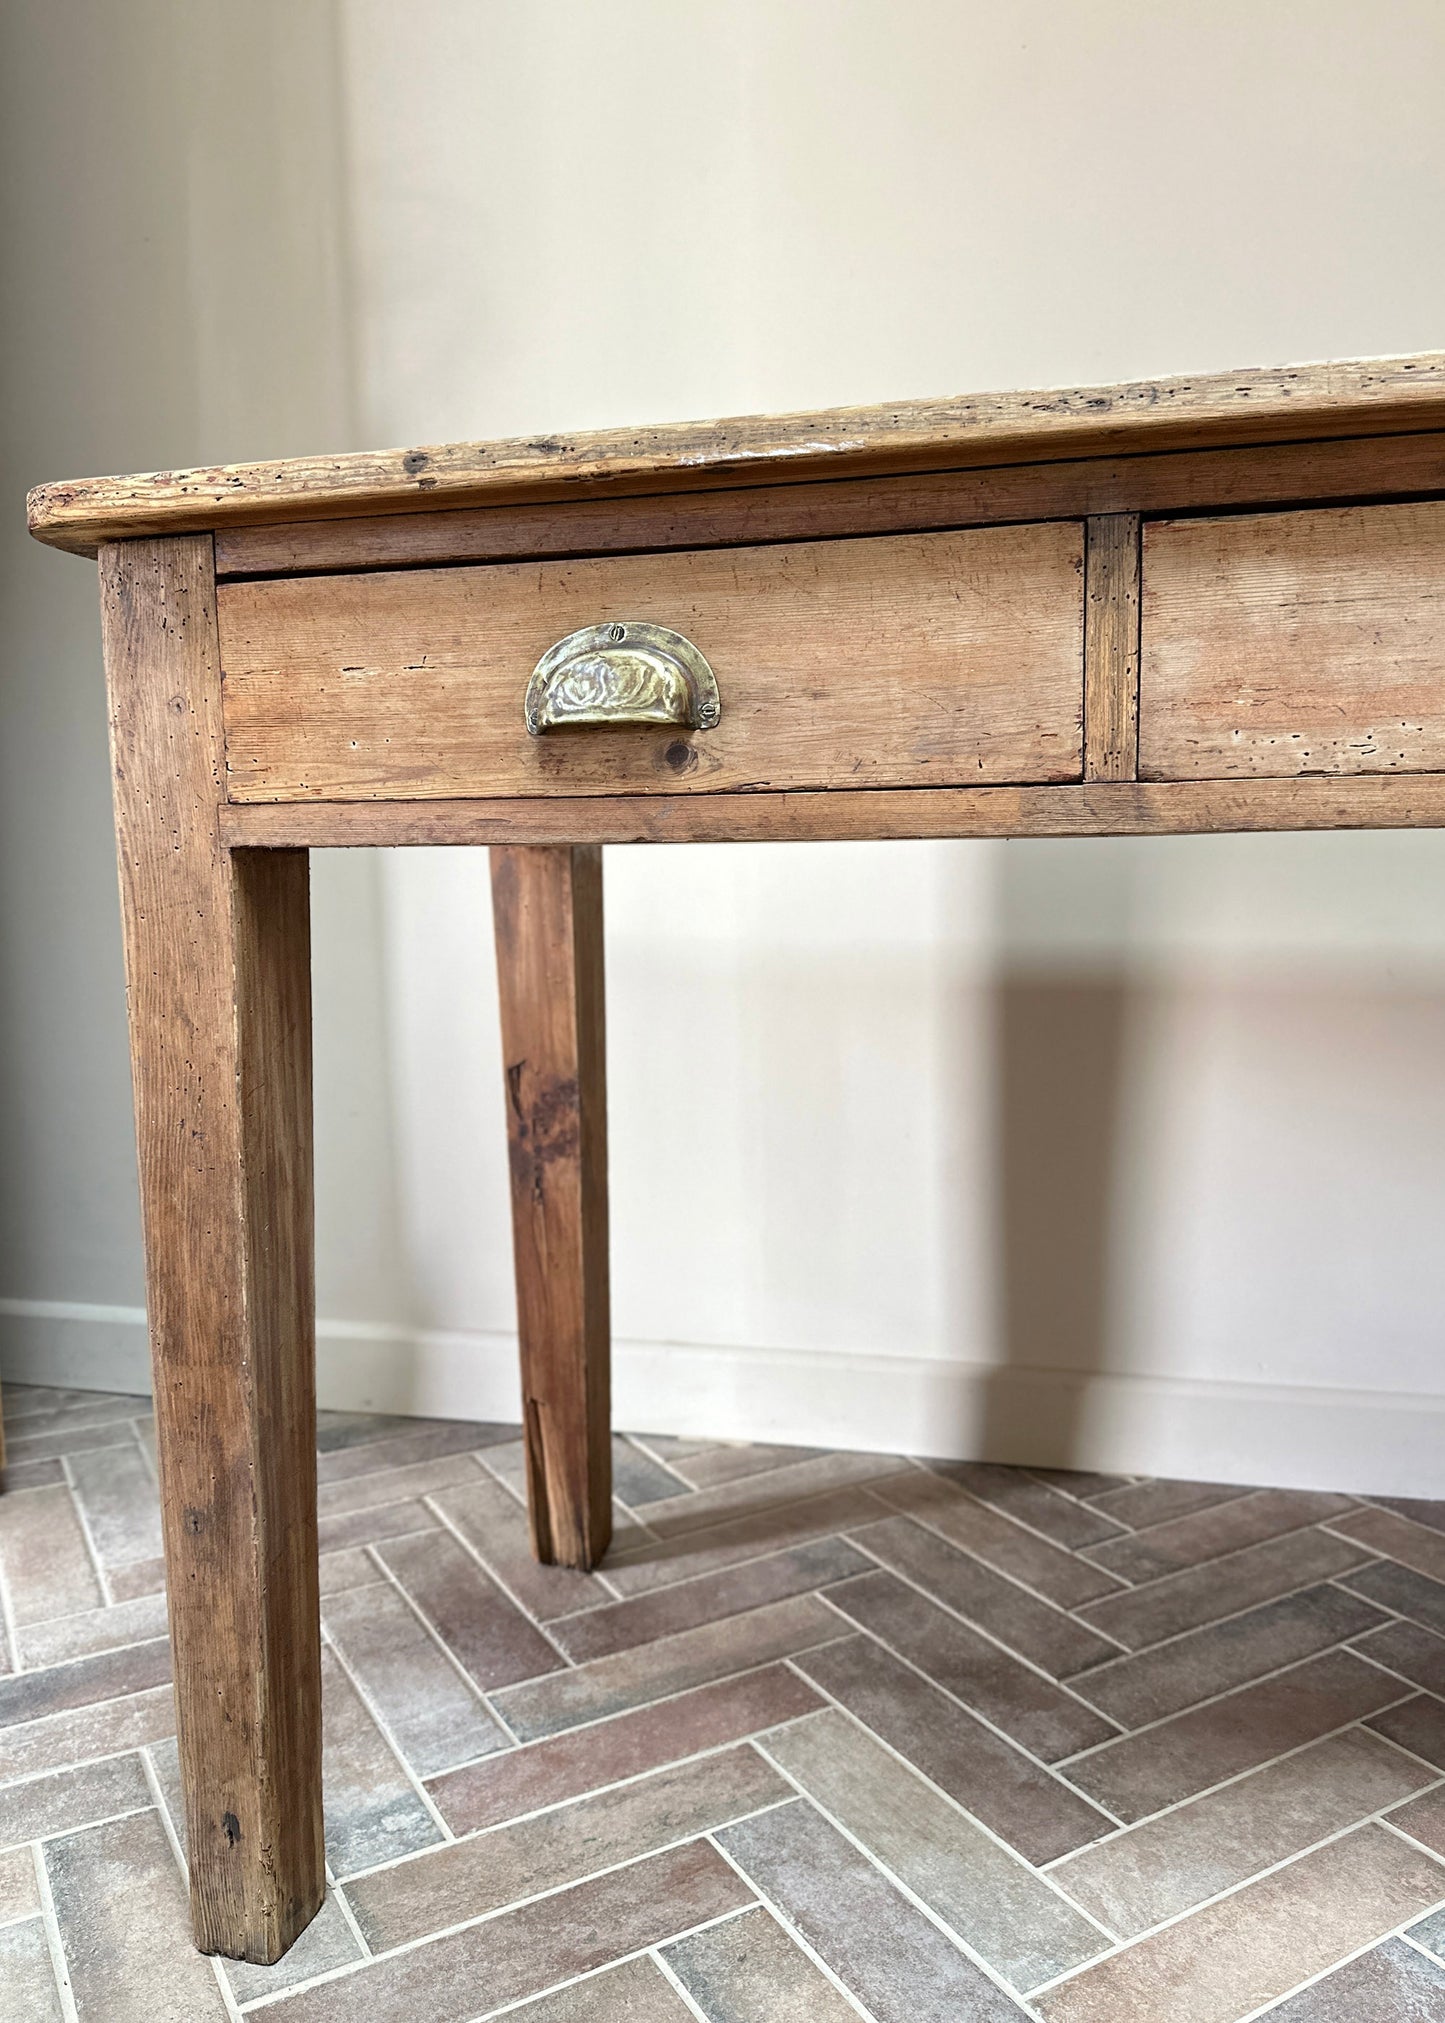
[338, 1890]
[596, 1973]
[1258, 2015]
[955, 1804]
[676, 1693]
[1021, 1748]
[496, 1578]
[789, 1930]
[59, 1966]
[102, 1577]
[1418, 1945]
[920, 1518]
[471, 1684]
[516, 1904]
[892, 1876]
[1375, 1818]
[1227, 1693]
[384, 1728]
[969, 1622]
[655, 1955]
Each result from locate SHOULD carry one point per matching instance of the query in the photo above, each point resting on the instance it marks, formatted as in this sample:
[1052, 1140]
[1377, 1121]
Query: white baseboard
[1298, 1436]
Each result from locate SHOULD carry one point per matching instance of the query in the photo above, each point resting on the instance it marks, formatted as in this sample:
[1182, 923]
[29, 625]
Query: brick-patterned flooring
[831, 1735]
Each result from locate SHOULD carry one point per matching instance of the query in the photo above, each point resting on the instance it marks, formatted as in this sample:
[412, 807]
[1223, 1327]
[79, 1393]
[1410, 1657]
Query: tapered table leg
[217, 965]
[547, 906]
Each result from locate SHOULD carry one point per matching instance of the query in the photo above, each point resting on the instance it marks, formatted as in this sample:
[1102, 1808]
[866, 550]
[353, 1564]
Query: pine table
[1183, 605]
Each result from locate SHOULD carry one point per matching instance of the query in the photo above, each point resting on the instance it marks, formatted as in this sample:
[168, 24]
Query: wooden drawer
[915, 660]
[1278, 644]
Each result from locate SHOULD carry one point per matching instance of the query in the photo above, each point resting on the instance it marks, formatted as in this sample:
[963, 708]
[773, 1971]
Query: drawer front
[1278, 644]
[915, 660]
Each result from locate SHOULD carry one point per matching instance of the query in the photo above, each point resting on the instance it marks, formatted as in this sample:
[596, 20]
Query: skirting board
[1296, 1436]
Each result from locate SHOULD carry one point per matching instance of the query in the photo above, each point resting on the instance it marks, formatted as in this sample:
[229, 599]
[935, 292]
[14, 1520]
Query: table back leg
[547, 907]
[218, 975]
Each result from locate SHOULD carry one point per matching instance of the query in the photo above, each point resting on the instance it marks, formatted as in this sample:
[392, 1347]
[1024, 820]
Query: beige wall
[1129, 1151]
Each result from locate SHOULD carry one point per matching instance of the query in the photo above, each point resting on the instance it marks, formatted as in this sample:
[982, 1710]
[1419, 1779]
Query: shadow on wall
[1059, 1061]
[1062, 1004]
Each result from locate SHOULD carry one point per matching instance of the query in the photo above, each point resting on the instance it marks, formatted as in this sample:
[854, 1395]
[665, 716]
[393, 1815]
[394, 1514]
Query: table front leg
[547, 908]
[218, 976]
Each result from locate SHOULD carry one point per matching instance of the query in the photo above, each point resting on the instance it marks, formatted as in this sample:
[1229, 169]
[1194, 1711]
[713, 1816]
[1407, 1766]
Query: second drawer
[910, 660]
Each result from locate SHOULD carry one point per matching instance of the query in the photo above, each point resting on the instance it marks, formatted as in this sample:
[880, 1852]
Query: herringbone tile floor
[830, 1735]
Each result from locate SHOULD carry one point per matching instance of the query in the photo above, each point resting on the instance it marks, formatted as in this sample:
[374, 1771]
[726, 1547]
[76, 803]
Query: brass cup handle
[622, 673]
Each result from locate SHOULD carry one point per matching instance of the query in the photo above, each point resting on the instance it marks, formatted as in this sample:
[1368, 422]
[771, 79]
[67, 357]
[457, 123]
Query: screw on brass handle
[616, 674]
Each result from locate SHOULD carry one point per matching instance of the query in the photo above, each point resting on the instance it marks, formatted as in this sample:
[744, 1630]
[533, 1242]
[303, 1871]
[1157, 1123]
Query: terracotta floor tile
[636, 1992]
[640, 1568]
[1085, 1483]
[328, 1942]
[1046, 1635]
[65, 1637]
[494, 1525]
[1014, 1796]
[407, 1450]
[1417, 1654]
[522, 1952]
[349, 1567]
[691, 1658]
[1140, 1504]
[1046, 1719]
[490, 1870]
[747, 1970]
[1395, 1537]
[373, 1812]
[619, 1626]
[996, 1903]
[1210, 1534]
[1149, 1685]
[19, 1886]
[393, 1485]
[879, 1944]
[125, 1927]
[27, 1696]
[1234, 1956]
[485, 1631]
[1402, 1589]
[66, 1799]
[85, 1732]
[27, 1979]
[1418, 1509]
[1191, 1751]
[1007, 1547]
[437, 1718]
[373, 1523]
[1417, 1725]
[1139, 1617]
[585, 1759]
[18, 1475]
[702, 1509]
[48, 1568]
[1430, 1933]
[141, 1577]
[1389, 1984]
[1424, 1818]
[1032, 1502]
[856, 1671]
[1183, 1857]
[117, 1493]
[729, 1464]
[638, 1479]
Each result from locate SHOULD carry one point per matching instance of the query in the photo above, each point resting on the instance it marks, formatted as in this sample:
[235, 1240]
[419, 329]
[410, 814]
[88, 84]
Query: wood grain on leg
[547, 905]
[217, 965]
